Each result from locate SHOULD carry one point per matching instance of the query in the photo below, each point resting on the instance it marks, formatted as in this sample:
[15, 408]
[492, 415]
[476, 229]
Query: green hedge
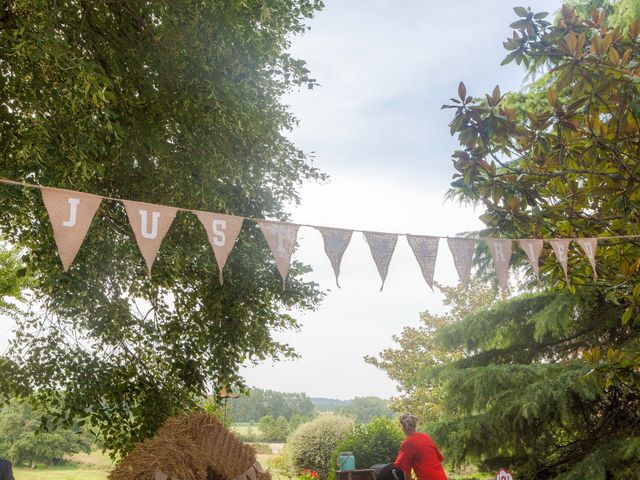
[372, 443]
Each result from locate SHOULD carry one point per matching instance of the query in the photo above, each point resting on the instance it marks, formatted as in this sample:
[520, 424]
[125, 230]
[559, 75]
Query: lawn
[59, 473]
[93, 466]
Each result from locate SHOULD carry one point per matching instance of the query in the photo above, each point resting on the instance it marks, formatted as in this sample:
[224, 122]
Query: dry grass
[192, 447]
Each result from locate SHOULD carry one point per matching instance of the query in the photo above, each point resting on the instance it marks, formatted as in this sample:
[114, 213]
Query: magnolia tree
[550, 381]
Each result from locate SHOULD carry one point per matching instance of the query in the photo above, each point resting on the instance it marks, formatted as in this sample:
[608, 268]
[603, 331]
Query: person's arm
[404, 460]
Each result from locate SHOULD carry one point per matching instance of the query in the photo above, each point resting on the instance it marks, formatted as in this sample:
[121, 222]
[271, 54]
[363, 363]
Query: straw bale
[190, 447]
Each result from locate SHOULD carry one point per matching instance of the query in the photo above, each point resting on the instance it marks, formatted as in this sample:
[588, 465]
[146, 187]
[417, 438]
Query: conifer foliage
[550, 382]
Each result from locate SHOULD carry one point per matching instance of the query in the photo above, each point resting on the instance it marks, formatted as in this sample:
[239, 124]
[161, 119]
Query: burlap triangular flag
[336, 242]
[589, 247]
[533, 248]
[70, 214]
[160, 475]
[222, 231]
[150, 224]
[500, 250]
[462, 250]
[281, 238]
[561, 250]
[258, 468]
[382, 246]
[251, 474]
[425, 250]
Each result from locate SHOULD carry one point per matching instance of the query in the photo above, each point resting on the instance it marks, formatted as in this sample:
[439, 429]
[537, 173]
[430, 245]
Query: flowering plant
[309, 475]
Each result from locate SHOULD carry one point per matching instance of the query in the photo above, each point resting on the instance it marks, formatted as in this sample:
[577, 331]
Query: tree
[417, 351]
[364, 409]
[165, 102]
[550, 382]
[22, 441]
[274, 430]
[258, 403]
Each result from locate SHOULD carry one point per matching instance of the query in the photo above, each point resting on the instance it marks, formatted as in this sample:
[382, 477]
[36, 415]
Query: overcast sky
[375, 125]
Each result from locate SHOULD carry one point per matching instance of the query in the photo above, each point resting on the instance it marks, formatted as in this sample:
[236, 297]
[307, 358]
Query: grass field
[243, 429]
[61, 473]
[93, 466]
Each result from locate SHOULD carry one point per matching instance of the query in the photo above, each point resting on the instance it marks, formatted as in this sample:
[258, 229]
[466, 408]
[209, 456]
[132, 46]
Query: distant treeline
[261, 403]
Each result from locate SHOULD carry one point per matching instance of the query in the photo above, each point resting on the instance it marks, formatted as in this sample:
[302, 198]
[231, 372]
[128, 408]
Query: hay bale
[191, 447]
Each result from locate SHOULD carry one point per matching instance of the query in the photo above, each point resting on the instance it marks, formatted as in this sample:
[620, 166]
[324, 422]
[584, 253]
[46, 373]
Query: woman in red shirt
[418, 452]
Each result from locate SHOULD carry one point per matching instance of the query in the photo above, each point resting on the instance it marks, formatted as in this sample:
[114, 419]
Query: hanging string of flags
[72, 212]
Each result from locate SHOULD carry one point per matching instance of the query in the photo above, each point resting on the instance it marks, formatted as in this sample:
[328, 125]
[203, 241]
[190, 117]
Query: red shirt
[419, 452]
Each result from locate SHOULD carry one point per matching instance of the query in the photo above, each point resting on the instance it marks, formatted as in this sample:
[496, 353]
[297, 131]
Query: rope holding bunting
[71, 213]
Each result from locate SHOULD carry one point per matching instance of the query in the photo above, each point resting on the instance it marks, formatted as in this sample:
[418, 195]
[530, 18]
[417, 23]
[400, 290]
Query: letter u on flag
[281, 238]
[70, 214]
[222, 231]
[150, 224]
[382, 246]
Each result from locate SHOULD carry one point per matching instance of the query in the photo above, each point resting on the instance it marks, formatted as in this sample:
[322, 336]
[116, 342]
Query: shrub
[372, 443]
[311, 446]
[280, 465]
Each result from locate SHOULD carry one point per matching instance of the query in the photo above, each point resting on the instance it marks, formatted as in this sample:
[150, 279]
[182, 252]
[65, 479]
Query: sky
[375, 126]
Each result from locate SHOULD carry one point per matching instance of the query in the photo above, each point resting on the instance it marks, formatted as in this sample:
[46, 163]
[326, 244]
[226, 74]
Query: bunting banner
[222, 231]
[500, 250]
[561, 250]
[150, 224]
[533, 248]
[589, 247]
[462, 251]
[281, 238]
[382, 246]
[425, 249]
[335, 242]
[70, 214]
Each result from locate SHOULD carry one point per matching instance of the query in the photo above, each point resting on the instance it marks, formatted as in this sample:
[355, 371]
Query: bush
[372, 443]
[280, 465]
[311, 446]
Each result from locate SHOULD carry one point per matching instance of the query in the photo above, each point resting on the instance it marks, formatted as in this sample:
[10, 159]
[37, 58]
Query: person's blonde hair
[409, 421]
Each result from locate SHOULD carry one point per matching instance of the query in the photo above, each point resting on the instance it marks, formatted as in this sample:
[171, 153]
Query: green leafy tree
[364, 409]
[22, 440]
[372, 443]
[166, 102]
[273, 430]
[258, 403]
[418, 350]
[549, 383]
